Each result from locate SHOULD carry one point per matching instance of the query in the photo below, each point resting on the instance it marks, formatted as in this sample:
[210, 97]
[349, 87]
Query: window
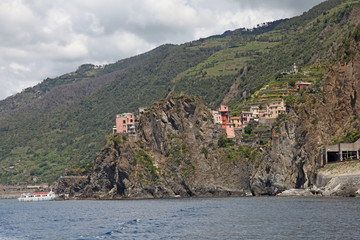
[131, 120]
[124, 121]
[124, 131]
[124, 126]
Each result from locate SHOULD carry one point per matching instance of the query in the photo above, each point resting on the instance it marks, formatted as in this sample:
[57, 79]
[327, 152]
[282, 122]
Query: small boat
[37, 196]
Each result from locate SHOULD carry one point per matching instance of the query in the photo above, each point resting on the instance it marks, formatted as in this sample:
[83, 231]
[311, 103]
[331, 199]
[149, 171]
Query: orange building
[225, 115]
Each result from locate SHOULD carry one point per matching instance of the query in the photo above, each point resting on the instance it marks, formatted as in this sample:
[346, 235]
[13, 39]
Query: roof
[304, 83]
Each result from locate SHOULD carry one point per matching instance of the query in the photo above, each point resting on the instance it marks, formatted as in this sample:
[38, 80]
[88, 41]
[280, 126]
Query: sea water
[191, 218]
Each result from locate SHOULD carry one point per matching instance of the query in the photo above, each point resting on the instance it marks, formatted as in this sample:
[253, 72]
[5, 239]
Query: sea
[183, 218]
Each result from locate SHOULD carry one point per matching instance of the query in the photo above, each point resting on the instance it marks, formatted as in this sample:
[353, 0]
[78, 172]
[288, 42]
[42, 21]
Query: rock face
[328, 114]
[174, 153]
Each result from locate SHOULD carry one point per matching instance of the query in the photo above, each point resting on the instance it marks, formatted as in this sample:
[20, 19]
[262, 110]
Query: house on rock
[125, 123]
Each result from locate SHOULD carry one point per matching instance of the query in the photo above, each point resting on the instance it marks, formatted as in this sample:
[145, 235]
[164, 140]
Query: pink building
[301, 85]
[246, 117]
[125, 123]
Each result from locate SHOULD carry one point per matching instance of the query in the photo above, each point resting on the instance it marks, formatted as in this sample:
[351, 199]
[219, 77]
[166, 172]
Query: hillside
[63, 121]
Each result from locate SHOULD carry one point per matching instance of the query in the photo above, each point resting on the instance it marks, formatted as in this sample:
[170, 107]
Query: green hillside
[62, 121]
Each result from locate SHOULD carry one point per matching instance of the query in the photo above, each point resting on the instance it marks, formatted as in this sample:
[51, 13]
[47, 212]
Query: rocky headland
[174, 153]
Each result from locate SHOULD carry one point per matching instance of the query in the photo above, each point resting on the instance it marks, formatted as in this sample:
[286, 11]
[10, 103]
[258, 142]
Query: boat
[37, 196]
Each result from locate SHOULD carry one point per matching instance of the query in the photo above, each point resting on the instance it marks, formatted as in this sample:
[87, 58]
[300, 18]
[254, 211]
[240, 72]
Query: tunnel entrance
[332, 157]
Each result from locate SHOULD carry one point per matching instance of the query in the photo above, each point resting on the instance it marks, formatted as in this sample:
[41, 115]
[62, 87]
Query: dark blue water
[219, 218]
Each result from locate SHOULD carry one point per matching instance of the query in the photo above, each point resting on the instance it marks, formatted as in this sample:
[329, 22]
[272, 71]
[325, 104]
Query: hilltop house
[125, 123]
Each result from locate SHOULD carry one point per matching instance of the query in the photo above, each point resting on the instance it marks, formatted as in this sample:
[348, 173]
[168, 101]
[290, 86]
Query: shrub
[146, 161]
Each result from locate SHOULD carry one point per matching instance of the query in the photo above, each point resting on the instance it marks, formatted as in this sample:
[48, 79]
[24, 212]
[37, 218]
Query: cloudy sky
[47, 38]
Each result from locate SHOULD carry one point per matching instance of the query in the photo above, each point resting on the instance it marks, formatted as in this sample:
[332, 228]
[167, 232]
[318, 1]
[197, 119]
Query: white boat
[37, 196]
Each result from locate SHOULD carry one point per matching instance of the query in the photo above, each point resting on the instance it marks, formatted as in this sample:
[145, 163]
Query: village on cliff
[126, 122]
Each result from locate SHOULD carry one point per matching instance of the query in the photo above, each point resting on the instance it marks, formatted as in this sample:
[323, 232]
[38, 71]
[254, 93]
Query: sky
[48, 38]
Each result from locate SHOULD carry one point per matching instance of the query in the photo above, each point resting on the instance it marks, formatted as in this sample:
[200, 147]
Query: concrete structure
[217, 117]
[274, 109]
[236, 121]
[142, 109]
[125, 123]
[340, 152]
[301, 85]
[230, 130]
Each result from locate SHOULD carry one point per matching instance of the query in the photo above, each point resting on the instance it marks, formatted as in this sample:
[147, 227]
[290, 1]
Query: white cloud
[41, 38]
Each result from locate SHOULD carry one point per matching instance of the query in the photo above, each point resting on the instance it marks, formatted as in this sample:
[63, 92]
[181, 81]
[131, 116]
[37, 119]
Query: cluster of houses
[125, 122]
[230, 124]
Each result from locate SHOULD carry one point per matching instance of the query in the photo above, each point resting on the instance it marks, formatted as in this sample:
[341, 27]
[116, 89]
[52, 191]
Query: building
[262, 113]
[255, 110]
[225, 115]
[274, 109]
[125, 123]
[217, 117]
[236, 121]
[295, 69]
[222, 116]
[341, 152]
[246, 117]
[301, 85]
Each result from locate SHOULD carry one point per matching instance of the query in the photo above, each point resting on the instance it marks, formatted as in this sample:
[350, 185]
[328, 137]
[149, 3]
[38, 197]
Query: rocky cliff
[330, 112]
[174, 153]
